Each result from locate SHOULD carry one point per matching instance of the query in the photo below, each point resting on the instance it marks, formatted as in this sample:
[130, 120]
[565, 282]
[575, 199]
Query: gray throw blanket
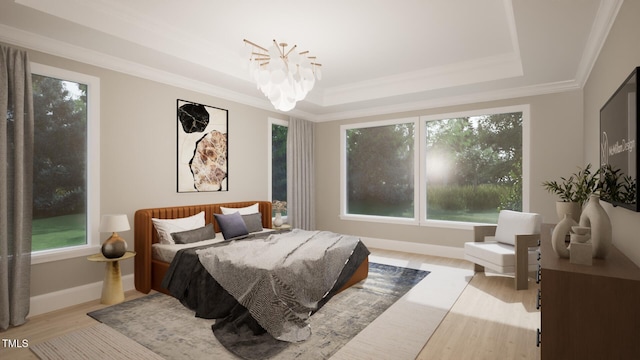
[281, 279]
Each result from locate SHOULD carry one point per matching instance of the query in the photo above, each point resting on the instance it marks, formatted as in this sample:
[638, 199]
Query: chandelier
[284, 76]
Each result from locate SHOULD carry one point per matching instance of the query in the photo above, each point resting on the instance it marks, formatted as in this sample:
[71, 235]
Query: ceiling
[378, 57]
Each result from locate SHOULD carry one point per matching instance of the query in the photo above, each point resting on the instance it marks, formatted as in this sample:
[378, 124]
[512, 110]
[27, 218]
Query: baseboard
[57, 300]
[416, 248]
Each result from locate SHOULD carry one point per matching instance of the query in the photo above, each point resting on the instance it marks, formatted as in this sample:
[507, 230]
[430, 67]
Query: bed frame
[150, 272]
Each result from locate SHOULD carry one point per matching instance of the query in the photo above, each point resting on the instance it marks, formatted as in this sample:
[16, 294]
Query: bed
[149, 272]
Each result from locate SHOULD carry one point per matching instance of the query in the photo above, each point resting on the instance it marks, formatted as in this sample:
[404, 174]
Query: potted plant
[574, 191]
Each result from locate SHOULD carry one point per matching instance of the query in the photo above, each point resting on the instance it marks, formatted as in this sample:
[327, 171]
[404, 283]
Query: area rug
[163, 325]
[98, 342]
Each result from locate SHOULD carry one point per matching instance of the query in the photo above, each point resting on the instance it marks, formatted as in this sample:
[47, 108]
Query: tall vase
[596, 218]
[559, 235]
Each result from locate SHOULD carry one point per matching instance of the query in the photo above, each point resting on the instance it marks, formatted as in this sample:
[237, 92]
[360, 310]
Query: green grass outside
[59, 231]
[371, 208]
[489, 217]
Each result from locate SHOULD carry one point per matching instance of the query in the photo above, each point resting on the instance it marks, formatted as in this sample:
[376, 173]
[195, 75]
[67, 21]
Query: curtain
[16, 185]
[300, 175]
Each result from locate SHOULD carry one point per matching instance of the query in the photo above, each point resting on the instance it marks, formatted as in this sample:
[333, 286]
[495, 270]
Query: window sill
[45, 256]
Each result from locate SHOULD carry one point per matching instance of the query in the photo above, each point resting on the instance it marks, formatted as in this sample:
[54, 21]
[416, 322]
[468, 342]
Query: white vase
[277, 222]
[596, 218]
[559, 236]
[565, 207]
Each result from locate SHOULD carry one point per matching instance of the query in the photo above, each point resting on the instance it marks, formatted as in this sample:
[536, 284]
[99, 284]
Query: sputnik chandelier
[284, 76]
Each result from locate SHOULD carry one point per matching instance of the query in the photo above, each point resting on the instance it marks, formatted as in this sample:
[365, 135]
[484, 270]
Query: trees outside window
[380, 169]
[470, 168]
[278, 147]
[60, 163]
[473, 167]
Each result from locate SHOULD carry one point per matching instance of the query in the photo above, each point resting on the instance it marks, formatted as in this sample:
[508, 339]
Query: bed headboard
[145, 234]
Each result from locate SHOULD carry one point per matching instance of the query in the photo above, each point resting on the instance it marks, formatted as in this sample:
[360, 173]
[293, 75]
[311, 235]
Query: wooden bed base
[149, 273]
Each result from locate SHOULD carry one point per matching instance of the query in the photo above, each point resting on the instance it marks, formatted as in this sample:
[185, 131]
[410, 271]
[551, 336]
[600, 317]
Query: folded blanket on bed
[281, 279]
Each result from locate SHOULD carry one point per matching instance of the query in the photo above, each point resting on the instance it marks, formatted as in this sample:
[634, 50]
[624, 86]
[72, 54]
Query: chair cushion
[497, 256]
[512, 223]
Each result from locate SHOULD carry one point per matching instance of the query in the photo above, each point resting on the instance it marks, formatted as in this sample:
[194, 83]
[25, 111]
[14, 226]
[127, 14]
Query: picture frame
[202, 147]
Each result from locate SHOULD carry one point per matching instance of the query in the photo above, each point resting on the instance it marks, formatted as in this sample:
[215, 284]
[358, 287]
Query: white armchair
[509, 247]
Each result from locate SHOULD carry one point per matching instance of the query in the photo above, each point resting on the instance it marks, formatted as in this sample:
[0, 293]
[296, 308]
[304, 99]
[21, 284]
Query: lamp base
[114, 247]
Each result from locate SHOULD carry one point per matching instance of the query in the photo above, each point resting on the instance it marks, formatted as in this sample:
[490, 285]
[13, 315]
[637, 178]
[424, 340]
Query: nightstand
[112, 291]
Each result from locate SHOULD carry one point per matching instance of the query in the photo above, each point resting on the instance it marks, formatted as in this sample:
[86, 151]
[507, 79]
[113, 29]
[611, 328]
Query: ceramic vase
[572, 208]
[114, 247]
[277, 222]
[559, 235]
[596, 218]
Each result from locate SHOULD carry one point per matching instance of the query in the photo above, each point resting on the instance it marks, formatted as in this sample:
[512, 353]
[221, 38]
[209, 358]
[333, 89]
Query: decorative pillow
[253, 222]
[190, 236]
[512, 223]
[165, 227]
[231, 225]
[243, 211]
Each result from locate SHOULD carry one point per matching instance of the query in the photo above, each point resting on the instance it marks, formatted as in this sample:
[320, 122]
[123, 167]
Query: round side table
[112, 292]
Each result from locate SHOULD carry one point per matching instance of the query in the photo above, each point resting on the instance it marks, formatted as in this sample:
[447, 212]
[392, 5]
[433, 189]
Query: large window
[449, 168]
[380, 169]
[278, 165]
[64, 206]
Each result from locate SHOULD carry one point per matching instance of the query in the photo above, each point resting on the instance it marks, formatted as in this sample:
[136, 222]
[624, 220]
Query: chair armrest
[526, 241]
[481, 231]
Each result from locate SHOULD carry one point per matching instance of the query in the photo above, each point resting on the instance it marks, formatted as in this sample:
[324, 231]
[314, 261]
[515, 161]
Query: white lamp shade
[114, 223]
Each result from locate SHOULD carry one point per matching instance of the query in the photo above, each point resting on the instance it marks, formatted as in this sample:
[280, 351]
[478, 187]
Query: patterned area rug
[162, 324]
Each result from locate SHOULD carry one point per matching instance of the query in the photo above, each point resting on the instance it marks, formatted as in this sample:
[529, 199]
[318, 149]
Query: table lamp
[114, 246]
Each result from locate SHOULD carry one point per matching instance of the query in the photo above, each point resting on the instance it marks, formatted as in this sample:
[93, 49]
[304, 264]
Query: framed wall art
[202, 147]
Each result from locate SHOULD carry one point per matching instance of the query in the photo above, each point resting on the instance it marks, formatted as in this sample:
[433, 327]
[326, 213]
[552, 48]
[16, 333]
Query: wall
[618, 57]
[556, 147]
[138, 160]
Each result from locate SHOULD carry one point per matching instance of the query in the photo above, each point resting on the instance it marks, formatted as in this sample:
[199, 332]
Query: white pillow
[512, 223]
[243, 211]
[165, 227]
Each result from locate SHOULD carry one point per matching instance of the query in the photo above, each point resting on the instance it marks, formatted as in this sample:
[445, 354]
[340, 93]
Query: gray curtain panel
[300, 175]
[16, 181]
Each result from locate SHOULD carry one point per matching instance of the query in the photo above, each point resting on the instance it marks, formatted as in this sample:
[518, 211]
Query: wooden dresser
[588, 312]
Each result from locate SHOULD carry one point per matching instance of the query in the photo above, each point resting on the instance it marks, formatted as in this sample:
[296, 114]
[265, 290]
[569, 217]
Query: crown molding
[502, 94]
[605, 18]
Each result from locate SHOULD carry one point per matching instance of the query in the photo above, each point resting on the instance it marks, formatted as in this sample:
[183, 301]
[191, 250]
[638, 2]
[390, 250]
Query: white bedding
[166, 252]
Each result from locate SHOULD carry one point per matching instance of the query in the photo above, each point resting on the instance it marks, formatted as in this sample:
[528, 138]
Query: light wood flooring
[490, 320]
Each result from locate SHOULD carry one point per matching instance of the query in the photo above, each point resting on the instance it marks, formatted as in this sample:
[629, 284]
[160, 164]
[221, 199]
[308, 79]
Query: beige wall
[138, 153]
[138, 159]
[619, 56]
[556, 138]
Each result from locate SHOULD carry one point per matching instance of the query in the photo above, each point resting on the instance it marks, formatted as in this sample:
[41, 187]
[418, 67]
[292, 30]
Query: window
[278, 165]
[473, 167]
[380, 169]
[66, 163]
[452, 168]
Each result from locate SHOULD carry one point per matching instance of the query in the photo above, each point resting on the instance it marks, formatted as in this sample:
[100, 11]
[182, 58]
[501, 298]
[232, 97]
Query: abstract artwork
[202, 147]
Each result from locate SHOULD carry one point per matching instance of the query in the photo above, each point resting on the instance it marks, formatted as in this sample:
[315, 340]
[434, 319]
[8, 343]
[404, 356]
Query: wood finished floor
[490, 319]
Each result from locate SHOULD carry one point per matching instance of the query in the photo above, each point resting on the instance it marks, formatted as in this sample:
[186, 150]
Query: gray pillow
[232, 225]
[253, 222]
[190, 236]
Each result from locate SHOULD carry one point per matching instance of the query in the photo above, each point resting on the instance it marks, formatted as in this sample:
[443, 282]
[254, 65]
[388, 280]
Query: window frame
[93, 166]
[420, 186]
